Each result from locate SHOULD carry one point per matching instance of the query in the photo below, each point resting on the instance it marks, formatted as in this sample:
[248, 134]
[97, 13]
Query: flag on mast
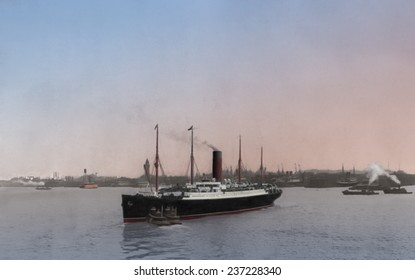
[191, 128]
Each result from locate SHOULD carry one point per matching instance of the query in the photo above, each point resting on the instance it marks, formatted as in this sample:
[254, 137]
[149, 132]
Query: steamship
[347, 179]
[199, 199]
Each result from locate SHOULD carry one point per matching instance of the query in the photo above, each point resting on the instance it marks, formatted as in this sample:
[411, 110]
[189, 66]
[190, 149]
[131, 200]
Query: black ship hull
[396, 191]
[136, 208]
[359, 192]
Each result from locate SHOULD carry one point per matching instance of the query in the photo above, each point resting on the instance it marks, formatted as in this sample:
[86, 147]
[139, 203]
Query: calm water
[71, 223]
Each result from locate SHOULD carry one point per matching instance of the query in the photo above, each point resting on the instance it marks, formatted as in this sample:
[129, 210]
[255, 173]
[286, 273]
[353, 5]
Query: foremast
[239, 161]
[157, 161]
[262, 167]
[192, 159]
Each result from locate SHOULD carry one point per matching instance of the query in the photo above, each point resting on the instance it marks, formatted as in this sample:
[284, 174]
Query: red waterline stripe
[134, 220]
[191, 217]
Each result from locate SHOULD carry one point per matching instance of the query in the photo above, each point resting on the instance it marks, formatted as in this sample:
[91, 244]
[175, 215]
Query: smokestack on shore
[217, 166]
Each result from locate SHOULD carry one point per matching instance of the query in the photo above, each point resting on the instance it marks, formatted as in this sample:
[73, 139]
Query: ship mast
[192, 159]
[239, 161]
[262, 167]
[156, 164]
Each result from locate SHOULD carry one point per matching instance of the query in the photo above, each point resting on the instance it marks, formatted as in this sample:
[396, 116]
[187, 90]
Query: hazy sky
[319, 83]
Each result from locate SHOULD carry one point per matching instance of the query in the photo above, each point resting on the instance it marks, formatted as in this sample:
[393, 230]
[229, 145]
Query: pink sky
[315, 83]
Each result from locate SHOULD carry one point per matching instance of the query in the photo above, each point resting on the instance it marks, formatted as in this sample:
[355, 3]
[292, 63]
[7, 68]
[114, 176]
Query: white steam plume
[374, 170]
[30, 183]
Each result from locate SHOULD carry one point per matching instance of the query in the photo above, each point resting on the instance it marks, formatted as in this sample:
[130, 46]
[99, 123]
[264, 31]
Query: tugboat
[397, 190]
[359, 192]
[362, 189]
[365, 185]
[201, 199]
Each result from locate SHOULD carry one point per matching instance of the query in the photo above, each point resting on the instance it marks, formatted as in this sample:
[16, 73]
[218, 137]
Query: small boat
[171, 215]
[89, 186]
[359, 192]
[88, 182]
[43, 188]
[397, 190]
[156, 217]
[374, 186]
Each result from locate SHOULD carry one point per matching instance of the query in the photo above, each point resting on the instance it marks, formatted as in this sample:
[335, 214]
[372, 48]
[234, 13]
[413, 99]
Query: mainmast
[156, 164]
[192, 159]
[239, 161]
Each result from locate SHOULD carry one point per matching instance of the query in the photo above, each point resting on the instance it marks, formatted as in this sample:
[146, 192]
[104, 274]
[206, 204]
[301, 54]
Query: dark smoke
[210, 146]
[185, 138]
